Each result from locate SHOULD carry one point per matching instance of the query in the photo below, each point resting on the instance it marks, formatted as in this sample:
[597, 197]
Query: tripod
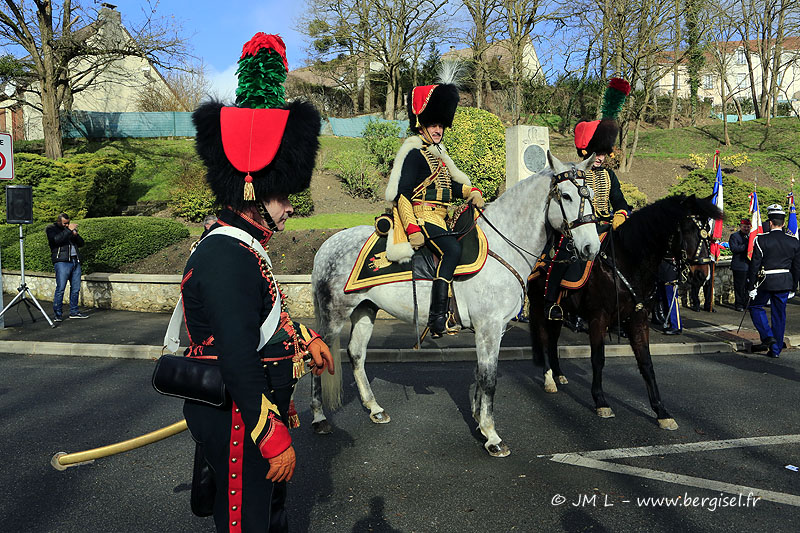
[23, 292]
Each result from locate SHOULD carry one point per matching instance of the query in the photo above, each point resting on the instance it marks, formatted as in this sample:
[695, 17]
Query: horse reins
[571, 175]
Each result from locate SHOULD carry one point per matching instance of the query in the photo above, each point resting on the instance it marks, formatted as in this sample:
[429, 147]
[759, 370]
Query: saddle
[372, 268]
[577, 273]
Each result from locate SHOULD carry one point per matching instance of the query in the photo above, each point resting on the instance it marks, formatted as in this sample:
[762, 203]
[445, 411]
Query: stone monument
[526, 152]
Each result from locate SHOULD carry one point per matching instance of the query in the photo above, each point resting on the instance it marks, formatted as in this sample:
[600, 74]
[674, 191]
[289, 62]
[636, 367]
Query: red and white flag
[716, 225]
[755, 224]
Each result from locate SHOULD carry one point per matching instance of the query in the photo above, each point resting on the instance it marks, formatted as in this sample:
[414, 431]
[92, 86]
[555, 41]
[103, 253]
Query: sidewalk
[127, 334]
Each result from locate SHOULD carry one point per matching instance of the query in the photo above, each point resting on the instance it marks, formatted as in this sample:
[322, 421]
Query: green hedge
[477, 144]
[736, 193]
[81, 185]
[111, 242]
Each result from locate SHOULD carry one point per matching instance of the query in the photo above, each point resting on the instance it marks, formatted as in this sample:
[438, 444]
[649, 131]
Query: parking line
[599, 460]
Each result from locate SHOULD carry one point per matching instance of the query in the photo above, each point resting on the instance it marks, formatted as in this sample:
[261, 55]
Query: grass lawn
[331, 220]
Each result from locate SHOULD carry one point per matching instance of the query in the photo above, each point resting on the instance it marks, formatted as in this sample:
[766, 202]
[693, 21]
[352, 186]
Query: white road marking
[599, 460]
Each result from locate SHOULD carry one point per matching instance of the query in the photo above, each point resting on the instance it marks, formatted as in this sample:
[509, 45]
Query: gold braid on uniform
[600, 182]
[429, 195]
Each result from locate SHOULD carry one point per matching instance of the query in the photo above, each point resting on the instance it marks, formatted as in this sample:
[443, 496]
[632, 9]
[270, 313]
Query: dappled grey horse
[515, 227]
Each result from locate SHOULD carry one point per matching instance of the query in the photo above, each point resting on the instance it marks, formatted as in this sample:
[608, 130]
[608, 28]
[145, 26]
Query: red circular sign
[2, 162]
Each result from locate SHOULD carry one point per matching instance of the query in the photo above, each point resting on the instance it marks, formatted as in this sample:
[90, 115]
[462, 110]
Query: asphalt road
[426, 470]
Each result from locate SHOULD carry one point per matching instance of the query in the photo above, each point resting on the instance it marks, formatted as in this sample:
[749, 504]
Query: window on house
[740, 58]
[741, 81]
[708, 81]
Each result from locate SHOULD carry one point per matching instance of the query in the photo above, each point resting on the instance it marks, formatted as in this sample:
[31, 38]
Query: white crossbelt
[777, 271]
[270, 324]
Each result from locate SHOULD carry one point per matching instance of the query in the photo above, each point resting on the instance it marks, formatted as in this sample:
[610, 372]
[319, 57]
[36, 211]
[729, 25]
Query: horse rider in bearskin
[255, 154]
[610, 207]
[422, 184]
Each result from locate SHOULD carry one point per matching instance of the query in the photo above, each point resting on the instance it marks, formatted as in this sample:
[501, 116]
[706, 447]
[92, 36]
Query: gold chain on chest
[600, 183]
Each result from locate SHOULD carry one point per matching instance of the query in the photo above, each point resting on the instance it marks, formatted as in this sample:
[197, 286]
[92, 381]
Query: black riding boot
[437, 319]
[659, 316]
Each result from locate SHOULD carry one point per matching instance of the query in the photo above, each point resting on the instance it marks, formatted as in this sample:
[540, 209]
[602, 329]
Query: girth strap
[639, 303]
[509, 267]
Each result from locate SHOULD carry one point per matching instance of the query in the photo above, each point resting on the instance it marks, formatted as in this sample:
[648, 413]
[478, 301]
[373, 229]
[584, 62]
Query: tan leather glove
[619, 217]
[281, 467]
[320, 357]
[476, 198]
[416, 240]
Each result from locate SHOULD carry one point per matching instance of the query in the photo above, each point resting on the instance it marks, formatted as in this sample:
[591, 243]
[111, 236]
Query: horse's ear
[587, 163]
[555, 165]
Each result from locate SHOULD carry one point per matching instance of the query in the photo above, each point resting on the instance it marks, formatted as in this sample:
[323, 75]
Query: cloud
[223, 84]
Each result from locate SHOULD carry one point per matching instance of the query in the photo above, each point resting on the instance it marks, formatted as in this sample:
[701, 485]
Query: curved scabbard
[63, 460]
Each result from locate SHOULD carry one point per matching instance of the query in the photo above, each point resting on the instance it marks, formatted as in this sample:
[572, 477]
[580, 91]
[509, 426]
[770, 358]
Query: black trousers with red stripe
[446, 247]
[245, 500]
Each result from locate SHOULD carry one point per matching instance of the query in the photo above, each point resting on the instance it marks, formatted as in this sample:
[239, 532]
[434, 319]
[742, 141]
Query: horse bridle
[572, 175]
[682, 262]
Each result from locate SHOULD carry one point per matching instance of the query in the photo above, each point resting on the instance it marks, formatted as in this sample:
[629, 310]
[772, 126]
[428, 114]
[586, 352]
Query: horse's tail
[331, 385]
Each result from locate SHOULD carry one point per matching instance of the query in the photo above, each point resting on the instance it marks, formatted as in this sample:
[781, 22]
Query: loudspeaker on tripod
[19, 204]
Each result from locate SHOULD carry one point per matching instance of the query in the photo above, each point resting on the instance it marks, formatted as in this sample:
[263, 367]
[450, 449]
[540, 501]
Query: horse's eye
[567, 197]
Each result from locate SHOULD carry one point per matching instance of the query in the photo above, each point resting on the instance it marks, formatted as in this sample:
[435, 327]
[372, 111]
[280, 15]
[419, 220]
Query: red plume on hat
[262, 146]
[599, 136]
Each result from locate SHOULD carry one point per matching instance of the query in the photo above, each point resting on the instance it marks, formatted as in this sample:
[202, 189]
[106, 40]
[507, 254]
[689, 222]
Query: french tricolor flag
[755, 223]
[716, 199]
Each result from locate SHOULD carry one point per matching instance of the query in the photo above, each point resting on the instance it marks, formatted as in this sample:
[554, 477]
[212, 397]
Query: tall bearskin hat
[262, 146]
[599, 136]
[432, 104]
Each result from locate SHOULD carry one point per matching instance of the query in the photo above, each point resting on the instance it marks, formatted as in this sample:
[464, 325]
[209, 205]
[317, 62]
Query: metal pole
[21, 258]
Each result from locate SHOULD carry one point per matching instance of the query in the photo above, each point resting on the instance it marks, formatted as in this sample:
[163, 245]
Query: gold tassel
[299, 369]
[249, 191]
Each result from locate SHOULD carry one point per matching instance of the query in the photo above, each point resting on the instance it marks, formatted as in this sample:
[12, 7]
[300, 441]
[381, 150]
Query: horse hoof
[550, 387]
[380, 418]
[323, 427]
[498, 450]
[563, 380]
[668, 424]
[605, 412]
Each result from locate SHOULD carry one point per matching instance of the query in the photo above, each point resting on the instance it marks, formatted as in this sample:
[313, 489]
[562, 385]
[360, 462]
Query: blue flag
[791, 224]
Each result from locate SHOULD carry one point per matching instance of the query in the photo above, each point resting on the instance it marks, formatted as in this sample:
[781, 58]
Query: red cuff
[277, 439]
[477, 189]
[412, 228]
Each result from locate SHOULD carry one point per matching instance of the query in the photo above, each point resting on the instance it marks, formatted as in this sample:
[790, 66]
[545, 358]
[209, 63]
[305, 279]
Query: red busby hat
[745, 221]
[432, 104]
[262, 146]
[599, 136]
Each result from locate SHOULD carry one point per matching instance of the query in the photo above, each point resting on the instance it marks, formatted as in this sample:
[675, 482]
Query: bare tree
[486, 26]
[69, 45]
[521, 17]
[185, 89]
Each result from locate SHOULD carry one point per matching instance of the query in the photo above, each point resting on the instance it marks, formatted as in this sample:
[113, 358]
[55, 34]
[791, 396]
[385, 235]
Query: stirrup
[554, 312]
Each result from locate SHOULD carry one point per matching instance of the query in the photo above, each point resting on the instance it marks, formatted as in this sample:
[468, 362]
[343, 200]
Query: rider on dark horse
[611, 209]
[422, 184]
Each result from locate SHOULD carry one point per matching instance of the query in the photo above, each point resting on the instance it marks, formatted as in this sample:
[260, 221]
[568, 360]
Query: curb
[382, 355]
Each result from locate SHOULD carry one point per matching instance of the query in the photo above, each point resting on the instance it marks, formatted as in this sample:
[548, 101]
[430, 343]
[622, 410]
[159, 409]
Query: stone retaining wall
[158, 294]
[143, 292]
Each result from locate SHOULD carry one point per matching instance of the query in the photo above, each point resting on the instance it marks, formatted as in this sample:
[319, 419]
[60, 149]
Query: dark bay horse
[672, 226]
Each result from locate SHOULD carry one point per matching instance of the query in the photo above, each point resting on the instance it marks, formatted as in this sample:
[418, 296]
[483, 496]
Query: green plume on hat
[614, 97]
[262, 71]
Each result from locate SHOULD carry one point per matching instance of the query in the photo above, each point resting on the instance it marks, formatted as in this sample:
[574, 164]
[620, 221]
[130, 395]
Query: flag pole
[716, 256]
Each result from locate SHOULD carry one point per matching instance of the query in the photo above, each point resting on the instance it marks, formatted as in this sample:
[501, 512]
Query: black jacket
[738, 244]
[59, 238]
[775, 251]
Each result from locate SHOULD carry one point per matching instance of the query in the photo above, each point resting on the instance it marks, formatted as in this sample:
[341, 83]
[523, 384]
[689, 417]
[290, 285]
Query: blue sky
[217, 30]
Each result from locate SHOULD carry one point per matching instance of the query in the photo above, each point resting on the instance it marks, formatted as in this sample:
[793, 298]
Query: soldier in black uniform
[776, 257]
[228, 291]
[740, 264]
[422, 184]
[610, 207]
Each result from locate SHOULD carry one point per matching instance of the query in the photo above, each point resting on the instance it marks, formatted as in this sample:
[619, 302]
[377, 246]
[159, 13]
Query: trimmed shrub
[303, 203]
[107, 178]
[111, 242]
[636, 198]
[477, 144]
[359, 176]
[191, 197]
[381, 141]
[737, 193]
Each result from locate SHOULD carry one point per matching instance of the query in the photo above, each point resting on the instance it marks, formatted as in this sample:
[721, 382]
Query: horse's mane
[647, 229]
